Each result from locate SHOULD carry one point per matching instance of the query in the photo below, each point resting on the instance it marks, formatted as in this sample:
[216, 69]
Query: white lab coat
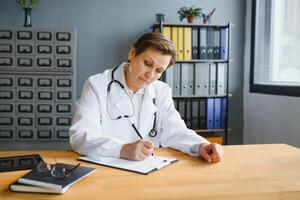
[93, 133]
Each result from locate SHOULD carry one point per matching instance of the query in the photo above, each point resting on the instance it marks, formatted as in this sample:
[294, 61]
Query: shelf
[204, 97]
[209, 130]
[202, 61]
[157, 25]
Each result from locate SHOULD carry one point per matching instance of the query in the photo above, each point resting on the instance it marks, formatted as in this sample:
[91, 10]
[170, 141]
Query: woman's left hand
[211, 152]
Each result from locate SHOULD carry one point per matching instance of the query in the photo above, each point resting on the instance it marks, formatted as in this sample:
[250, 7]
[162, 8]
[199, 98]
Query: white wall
[268, 118]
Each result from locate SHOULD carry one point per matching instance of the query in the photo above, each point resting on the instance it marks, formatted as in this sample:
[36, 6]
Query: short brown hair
[158, 42]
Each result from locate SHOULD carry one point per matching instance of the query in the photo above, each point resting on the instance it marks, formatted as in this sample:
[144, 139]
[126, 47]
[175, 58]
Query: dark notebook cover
[35, 181]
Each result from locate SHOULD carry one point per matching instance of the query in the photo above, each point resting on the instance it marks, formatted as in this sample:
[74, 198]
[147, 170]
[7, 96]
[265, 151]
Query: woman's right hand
[138, 150]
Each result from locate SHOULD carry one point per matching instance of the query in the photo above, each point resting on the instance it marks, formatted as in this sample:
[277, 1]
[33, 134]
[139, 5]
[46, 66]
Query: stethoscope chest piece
[152, 133]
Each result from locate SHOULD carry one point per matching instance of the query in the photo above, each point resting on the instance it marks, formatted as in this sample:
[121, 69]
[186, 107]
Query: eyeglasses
[55, 170]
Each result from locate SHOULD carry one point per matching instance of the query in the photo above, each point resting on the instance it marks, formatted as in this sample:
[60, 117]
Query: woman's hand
[211, 152]
[138, 150]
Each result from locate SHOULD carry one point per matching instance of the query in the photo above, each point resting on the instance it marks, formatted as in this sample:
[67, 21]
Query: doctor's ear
[131, 53]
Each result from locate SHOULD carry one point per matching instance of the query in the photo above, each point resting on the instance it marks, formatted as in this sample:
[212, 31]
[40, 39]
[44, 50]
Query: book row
[200, 114]
[197, 79]
[199, 42]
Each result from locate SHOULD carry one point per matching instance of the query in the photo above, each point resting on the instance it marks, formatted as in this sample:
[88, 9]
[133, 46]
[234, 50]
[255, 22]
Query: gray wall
[268, 118]
[106, 29]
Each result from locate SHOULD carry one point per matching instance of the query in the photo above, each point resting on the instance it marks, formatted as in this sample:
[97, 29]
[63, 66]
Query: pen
[138, 133]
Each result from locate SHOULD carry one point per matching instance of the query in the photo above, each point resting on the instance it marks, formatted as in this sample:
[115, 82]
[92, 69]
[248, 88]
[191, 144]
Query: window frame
[261, 88]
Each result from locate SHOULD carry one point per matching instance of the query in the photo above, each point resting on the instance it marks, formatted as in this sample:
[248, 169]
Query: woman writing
[126, 112]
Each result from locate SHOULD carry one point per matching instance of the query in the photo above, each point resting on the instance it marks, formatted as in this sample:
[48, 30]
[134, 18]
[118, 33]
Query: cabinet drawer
[7, 62]
[25, 108]
[63, 63]
[7, 48]
[7, 81]
[6, 35]
[7, 94]
[6, 120]
[44, 120]
[25, 120]
[7, 133]
[25, 49]
[25, 95]
[44, 35]
[24, 35]
[45, 82]
[25, 81]
[7, 107]
[44, 108]
[25, 133]
[25, 62]
[45, 95]
[44, 63]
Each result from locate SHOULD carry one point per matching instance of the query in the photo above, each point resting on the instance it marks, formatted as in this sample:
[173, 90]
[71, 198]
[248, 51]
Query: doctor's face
[145, 68]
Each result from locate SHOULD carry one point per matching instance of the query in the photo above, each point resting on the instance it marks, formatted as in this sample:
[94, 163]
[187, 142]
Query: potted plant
[189, 12]
[27, 6]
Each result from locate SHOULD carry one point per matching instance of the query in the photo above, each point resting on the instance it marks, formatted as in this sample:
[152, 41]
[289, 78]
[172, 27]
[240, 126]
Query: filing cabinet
[37, 89]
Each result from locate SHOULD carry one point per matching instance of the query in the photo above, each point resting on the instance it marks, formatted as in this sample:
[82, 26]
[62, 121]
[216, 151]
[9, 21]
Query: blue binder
[217, 113]
[223, 112]
[224, 44]
[210, 113]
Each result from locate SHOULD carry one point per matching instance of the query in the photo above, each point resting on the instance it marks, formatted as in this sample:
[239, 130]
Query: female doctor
[126, 111]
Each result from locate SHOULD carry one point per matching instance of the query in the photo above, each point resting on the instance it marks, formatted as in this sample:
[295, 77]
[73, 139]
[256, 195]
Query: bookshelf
[199, 78]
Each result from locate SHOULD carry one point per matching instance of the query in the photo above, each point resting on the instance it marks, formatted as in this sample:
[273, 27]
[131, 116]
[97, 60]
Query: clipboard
[145, 167]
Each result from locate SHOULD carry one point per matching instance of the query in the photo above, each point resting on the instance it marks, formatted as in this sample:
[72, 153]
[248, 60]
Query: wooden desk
[247, 172]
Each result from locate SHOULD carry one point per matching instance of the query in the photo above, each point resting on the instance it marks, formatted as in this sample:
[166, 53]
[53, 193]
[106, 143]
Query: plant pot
[190, 19]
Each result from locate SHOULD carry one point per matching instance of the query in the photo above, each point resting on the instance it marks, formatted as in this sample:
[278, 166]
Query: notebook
[35, 181]
[147, 166]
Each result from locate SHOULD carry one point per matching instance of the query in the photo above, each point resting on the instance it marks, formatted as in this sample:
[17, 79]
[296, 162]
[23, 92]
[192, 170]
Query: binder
[168, 76]
[210, 42]
[223, 112]
[213, 79]
[167, 32]
[195, 43]
[176, 79]
[181, 108]
[216, 48]
[217, 113]
[224, 44]
[201, 79]
[191, 79]
[202, 113]
[174, 33]
[210, 113]
[180, 43]
[202, 44]
[187, 43]
[221, 78]
[195, 114]
[188, 113]
[184, 78]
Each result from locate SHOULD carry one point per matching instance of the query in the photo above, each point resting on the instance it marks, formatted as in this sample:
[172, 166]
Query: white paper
[146, 166]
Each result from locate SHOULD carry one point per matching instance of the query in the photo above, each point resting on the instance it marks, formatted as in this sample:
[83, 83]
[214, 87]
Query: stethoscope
[152, 132]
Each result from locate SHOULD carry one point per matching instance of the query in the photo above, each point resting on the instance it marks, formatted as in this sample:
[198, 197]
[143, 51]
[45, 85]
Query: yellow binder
[167, 32]
[187, 44]
[180, 43]
[174, 32]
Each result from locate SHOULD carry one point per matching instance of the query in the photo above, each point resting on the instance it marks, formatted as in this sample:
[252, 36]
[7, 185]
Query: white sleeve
[175, 134]
[86, 136]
